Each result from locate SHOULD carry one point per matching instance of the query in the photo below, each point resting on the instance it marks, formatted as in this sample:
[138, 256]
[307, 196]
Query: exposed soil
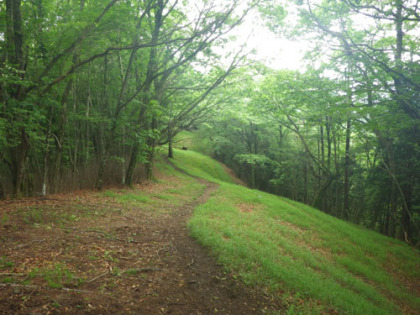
[86, 253]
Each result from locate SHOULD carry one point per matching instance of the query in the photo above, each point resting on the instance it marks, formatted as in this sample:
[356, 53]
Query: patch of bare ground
[85, 253]
[233, 176]
[248, 207]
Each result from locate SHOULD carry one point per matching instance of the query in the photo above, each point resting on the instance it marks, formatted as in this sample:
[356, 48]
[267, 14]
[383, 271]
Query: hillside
[128, 251]
[311, 260]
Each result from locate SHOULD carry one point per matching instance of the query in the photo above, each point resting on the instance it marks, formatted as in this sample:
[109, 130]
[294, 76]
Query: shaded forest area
[89, 90]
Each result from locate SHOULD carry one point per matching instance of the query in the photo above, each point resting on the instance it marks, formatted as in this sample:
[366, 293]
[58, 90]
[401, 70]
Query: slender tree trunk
[325, 200]
[47, 156]
[321, 130]
[329, 140]
[87, 128]
[253, 181]
[150, 163]
[374, 220]
[338, 191]
[131, 166]
[18, 154]
[346, 206]
[14, 56]
[104, 143]
[152, 147]
[392, 212]
[317, 202]
[170, 143]
[305, 180]
[405, 218]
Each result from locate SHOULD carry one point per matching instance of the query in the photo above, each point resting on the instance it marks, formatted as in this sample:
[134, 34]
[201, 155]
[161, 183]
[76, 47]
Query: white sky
[275, 52]
[271, 49]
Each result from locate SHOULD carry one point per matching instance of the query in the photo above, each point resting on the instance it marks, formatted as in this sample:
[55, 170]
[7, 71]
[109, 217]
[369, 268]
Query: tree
[385, 51]
[83, 85]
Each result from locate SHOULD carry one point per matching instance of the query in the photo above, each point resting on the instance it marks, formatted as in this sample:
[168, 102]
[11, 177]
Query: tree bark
[170, 143]
[346, 206]
[14, 57]
[18, 154]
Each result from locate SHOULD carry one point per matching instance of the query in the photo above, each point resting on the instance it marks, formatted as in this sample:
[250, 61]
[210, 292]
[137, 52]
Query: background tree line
[89, 88]
[344, 135]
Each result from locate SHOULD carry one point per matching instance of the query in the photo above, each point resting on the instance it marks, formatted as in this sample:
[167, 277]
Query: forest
[89, 89]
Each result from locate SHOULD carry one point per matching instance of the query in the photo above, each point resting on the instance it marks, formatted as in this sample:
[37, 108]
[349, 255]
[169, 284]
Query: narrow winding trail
[85, 253]
[194, 283]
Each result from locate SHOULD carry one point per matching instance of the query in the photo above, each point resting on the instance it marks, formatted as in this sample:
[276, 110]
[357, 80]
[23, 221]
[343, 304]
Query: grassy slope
[312, 260]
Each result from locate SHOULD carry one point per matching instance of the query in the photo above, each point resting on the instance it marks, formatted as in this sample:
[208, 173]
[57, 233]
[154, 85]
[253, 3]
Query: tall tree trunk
[305, 180]
[392, 222]
[329, 140]
[151, 156]
[151, 71]
[104, 143]
[253, 181]
[321, 130]
[131, 165]
[18, 155]
[14, 38]
[170, 143]
[346, 205]
[317, 202]
[14, 94]
[406, 214]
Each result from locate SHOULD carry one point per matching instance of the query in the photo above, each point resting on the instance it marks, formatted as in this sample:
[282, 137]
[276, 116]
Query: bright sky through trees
[273, 50]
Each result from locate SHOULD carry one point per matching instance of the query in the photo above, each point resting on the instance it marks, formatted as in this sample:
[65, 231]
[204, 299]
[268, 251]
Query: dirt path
[86, 254]
[194, 283]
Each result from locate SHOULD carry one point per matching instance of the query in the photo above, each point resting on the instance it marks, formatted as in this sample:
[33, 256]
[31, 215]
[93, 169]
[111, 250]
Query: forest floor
[122, 251]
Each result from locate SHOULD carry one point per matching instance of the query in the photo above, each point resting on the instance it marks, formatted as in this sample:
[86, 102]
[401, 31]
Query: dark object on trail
[184, 148]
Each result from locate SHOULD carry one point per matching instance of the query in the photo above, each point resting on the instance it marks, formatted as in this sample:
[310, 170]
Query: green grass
[298, 252]
[200, 165]
[5, 263]
[193, 141]
[56, 276]
[126, 197]
[179, 189]
[46, 216]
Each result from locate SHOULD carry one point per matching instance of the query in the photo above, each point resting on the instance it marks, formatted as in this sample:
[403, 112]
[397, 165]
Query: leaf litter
[86, 253]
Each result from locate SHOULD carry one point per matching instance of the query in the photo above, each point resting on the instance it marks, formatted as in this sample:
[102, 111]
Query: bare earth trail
[109, 258]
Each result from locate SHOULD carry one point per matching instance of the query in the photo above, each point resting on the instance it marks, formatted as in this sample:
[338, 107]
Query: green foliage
[125, 197]
[33, 215]
[7, 280]
[6, 263]
[4, 219]
[273, 14]
[317, 140]
[193, 141]
[253, 159]
[56, 276]
[62, 108]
